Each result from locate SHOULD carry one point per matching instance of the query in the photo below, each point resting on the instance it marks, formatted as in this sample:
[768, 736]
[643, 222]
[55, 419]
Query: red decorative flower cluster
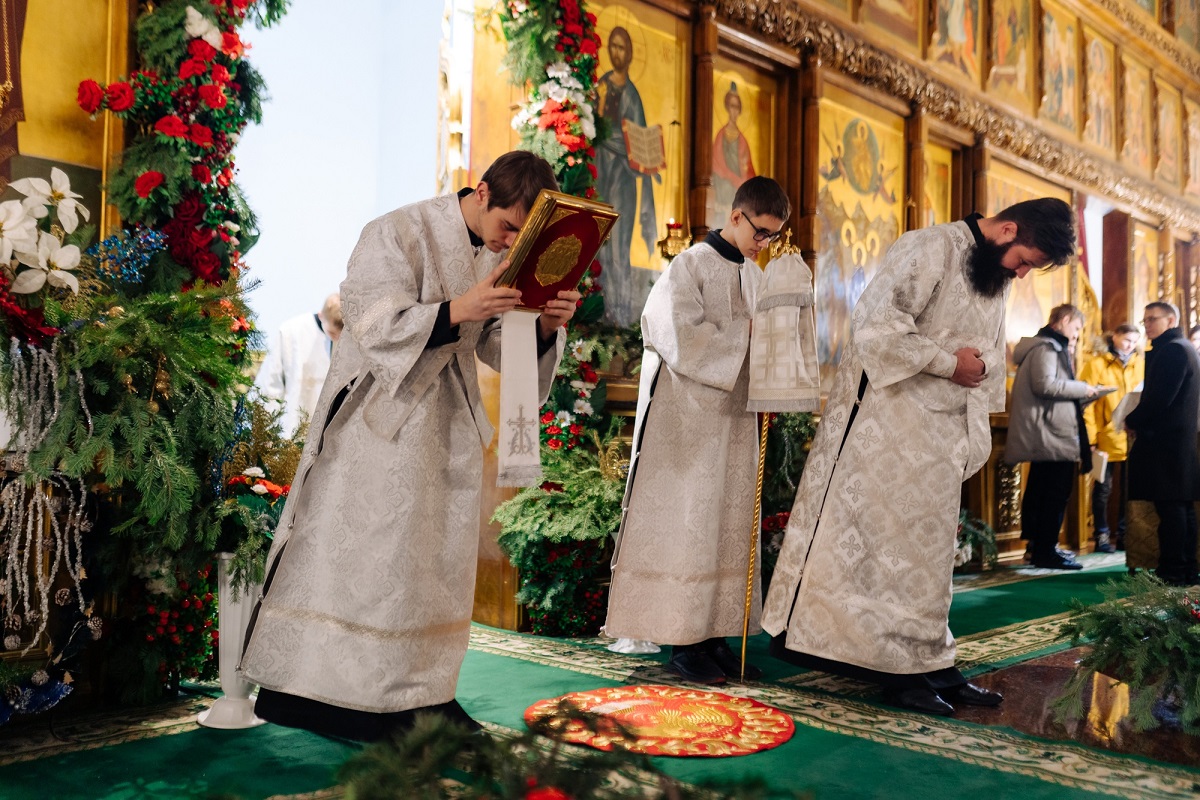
[182, 626]
[776, 522]
[194, 112]
[27, 324]
[555, 436]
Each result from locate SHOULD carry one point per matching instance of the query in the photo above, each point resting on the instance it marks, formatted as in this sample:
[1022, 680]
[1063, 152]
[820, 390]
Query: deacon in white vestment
[863, 582]
[293, 371]
[683, 549]
[367, 605]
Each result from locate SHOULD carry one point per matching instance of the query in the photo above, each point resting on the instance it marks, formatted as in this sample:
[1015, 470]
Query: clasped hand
[970, 369]
[485, 300]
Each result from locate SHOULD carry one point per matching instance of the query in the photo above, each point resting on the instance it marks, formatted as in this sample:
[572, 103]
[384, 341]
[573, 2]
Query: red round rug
[670, 721]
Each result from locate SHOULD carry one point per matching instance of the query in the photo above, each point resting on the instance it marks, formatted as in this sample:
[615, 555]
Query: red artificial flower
[220, 74]
[274, 490]
[190, 209]
[576, 429]
[213, 95]
[89, 96]
[592, 171]
[201, 173]
[237, 480]
[225, 178]
[120, 96]
[192, 68]
[588, 47]
[548, 416]
[201, 238]
[547, 793]
[554, 444]
[201, 135]
[147, 182]
[231, 45]
[201, 50]
[241, 325]
[573, 29]
[287, 488]
[551, 486]
[553, 430]
[595, 269]
[207, 267]
[171, 125]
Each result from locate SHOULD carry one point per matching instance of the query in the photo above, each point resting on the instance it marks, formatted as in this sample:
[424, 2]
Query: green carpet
[845, 745]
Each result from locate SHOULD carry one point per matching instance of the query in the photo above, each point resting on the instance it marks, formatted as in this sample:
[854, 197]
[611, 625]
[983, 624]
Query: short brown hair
[761, 195]
[1065, 311]
[516, 178]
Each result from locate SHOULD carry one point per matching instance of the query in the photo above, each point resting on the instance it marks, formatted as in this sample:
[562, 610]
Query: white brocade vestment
[371, 576]
[864, 575]
[679, 571]
[294, 369]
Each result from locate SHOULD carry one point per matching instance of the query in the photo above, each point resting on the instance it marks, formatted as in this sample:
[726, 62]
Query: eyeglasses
[761, 234]
[1148, 320]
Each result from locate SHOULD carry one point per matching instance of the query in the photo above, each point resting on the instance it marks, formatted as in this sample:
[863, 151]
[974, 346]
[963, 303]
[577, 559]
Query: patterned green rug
[845, 744]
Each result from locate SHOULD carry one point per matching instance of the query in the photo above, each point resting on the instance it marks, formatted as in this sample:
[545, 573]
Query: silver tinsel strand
[41, 521]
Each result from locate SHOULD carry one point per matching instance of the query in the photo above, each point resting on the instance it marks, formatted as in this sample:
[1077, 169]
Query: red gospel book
[557, 243]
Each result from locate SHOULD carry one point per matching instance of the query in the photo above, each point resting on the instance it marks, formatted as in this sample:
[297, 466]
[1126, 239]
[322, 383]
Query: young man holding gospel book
[366, 610]
[679, 571]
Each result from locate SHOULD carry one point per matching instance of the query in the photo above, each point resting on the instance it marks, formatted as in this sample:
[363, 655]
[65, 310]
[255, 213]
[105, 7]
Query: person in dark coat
[1163, 465]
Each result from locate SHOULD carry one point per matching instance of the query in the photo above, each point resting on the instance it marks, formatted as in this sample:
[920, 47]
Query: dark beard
[988, 276]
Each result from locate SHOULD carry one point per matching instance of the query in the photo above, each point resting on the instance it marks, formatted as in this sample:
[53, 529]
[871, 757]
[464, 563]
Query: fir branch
[161, 35]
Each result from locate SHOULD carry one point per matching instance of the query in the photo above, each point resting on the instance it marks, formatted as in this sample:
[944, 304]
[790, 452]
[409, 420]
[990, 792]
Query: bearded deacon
[863, 583]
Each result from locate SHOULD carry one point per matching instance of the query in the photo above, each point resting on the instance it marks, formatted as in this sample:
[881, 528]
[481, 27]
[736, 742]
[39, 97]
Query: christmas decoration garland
[126, 360]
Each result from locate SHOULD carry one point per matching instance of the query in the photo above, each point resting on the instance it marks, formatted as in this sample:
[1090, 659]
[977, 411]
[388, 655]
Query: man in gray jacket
[1045, 428]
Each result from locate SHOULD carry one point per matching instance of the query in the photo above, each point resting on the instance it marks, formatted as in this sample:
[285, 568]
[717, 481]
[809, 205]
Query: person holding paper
[1163, 466]
[1120, 366]
[682, 551]
[366, 609]
[1046, 428]
[862, 585]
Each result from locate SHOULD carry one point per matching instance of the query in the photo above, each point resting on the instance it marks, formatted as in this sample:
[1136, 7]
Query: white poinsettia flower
[199, 26]
[57, 192]
[254, 472]
[51, 262]
[18, 230]
[258, 488]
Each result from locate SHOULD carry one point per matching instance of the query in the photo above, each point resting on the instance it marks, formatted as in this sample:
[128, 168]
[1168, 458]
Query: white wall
[349, 133]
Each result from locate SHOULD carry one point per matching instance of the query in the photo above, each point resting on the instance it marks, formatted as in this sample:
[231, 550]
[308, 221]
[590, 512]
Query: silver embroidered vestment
[369, 604]
[679, 573]
[865, 571]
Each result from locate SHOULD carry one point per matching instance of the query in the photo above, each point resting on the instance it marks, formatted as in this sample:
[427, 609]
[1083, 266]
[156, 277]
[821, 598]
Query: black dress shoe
[1056, 561]
[693, 664]
[924, 700]
[730, 663]
[968, 694]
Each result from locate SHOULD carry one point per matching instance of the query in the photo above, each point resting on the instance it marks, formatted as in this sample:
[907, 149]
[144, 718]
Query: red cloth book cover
[557, 243]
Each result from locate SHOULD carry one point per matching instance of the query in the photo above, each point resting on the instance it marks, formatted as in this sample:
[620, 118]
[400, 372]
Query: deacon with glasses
[862, 585]
[679, 571]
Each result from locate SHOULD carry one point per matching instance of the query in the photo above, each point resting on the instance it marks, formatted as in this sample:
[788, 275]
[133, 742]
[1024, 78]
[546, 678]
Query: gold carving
[557, 260]
[560, 214]
[603, 224]
[785, 22]
[1008, 496]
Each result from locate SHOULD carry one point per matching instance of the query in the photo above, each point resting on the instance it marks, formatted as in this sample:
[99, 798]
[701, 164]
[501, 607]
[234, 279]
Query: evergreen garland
[1146, 635]
[150, 336]
[438, 759]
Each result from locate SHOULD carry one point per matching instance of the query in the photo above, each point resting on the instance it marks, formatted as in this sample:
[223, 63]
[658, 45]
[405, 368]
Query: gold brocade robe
[864, 575]
[679, 572]
[371, 576]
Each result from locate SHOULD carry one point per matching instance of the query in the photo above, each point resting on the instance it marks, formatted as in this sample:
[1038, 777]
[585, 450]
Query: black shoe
[452, 712]
[693, 664]
[1056, 561]
[730, 663]
[968, 694]
[924, 700]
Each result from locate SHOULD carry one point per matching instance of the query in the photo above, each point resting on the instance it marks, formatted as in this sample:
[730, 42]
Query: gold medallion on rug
[672, 721]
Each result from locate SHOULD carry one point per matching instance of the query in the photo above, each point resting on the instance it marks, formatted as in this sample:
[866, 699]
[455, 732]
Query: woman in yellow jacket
[1124, 367]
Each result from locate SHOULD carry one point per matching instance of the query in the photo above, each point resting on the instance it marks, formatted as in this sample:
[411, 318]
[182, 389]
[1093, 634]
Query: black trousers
[1045, 503]
[1176, 540]
[1102, 491]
